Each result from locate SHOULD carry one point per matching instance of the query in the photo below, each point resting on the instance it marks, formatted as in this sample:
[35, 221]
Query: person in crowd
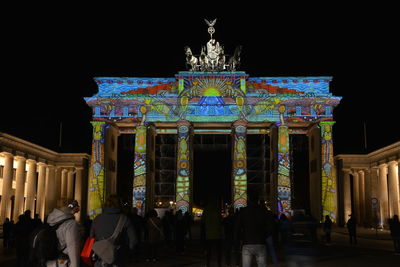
[180, 232]
[284, 228]
[212, 230]
[394, 226]
[6, 234]
[22, 230]
[103, 227]
[168, 226]
[189, 222]
[327, 228]
[254, 225]
[37, 222]
[138, 224]
[154, 235]
[231, 255]
[67, 233]
[352, 228]
[273, 221]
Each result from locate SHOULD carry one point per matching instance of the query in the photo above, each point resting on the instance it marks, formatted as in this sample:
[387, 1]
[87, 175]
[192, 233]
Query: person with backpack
[57, 242]
[114, 226]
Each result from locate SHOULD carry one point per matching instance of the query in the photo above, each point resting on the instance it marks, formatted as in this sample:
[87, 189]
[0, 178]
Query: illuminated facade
[219, 102]
[213, 97]
[35, 178]
[369, 186]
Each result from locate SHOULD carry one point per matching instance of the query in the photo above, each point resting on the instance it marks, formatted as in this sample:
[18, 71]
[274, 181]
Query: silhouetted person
[138, 225]
[327, 229]
[352, 228]
[189, 222]
[37, 222]
[230, 248]
[103, 227]
[154, 235]
[394, 225]
[284, 228]
[22, 230]
[7, 227]
[254, 226]
[212, 226]
[168, 226]
[180, 232]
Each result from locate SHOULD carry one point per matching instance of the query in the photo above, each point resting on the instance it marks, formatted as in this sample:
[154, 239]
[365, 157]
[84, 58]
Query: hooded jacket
[68, 235]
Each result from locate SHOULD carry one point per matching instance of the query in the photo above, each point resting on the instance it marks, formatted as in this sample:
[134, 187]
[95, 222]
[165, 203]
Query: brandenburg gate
[213, 97]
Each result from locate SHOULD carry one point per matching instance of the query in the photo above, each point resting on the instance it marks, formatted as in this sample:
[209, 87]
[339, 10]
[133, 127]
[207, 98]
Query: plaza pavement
[373, 249]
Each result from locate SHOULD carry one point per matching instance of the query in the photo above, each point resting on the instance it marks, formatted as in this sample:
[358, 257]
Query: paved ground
[372, 250]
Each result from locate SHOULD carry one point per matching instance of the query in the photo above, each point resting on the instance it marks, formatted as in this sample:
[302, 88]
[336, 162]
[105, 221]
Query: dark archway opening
[212, 167]
[300, 172]
[126, 155]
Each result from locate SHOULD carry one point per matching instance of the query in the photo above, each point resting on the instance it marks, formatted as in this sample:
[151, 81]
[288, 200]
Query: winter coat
[154, 234]
[253, 225]
[103, 227]
[68, 236]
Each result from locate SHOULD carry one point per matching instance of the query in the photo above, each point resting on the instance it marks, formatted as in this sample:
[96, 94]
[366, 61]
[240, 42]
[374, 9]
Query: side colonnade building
[369, 186]
[35, 178]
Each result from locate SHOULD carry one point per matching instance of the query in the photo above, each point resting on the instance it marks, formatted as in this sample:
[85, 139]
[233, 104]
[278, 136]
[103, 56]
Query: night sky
[50, 60]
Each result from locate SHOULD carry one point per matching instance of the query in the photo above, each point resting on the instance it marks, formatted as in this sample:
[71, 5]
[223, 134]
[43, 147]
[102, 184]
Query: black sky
[51, 56]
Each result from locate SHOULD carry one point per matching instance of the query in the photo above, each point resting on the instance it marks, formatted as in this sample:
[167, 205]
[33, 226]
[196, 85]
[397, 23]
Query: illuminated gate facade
[213, 102]
[213, 98]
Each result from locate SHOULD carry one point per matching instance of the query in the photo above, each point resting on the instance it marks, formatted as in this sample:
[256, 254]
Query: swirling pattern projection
[284, 190]
[183, 169]
[239, 167]
[139, 169]
[96, 171]
[328, 171]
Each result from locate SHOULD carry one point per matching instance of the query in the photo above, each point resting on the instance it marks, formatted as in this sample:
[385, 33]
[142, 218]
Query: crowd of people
[235, 238]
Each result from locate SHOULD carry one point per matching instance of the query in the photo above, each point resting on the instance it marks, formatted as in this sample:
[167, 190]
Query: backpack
[44, 244]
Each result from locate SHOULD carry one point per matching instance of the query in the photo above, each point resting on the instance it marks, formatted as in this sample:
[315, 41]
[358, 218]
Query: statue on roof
[212, 57]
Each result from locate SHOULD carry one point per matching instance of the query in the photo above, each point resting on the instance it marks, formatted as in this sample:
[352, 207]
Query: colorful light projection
[239, 167]
[183, 167]
[284, 190]
[139, 169]
[328, 171]
[96, 171]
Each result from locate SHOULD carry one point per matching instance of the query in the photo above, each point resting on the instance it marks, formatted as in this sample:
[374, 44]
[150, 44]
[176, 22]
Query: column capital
[183, 122]
[40, 163]
[79, 168]
[31, 161]
[347, 170]
[98, 123]
[383, 165]
[241, 122]
[392, 163]
[51, 166]
[18, 158]
[7, 154]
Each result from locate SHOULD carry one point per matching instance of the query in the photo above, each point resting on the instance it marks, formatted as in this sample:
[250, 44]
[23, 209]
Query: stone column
[7, 185]
[78, 190]
[361, 176]
[97, 171]
[184, 174]
[356, 196]
[328, 175]
[70, 184]
[31, 186]
[58, 177]
[50, 192]
[139, 169]
[375, 196]
[284, 165]
[368, 198]
[41, 190]
[19, 187]
[64, 183]
[239, 168]
[393, 182]
[346, 195]
[383, 194]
